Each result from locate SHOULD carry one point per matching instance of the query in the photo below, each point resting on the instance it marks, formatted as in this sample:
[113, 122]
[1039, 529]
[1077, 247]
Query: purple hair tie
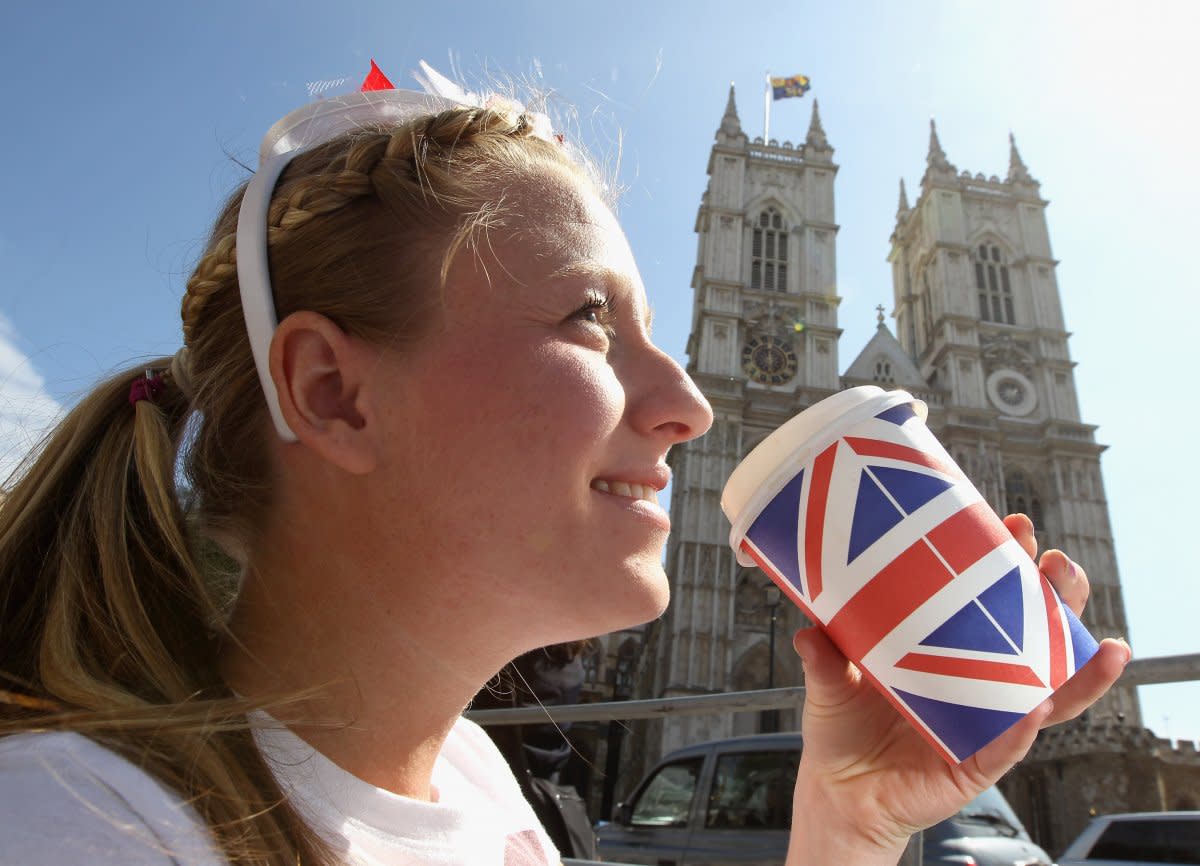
[146, 387]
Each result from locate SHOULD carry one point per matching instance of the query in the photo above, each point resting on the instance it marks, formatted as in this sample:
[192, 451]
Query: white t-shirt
[65, 799]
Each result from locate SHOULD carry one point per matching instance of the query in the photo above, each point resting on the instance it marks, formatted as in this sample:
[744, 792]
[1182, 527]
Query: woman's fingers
[997, 757]
[1090, 682]
[1066, 576]
[1021, 528]
[1068, 579]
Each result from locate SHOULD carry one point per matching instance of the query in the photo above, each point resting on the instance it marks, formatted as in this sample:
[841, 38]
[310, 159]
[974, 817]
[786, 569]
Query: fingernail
[1128, 649]
[797, 643]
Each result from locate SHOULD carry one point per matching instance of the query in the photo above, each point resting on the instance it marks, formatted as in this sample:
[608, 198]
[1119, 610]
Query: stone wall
[1083, 769]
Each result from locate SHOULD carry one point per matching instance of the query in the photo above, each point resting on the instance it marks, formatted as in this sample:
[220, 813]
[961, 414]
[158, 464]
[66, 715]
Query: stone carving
[771, 317]
[1000, 351]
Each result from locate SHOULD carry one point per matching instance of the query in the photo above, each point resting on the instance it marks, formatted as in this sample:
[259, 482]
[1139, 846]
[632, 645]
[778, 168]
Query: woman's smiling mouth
[627, 488]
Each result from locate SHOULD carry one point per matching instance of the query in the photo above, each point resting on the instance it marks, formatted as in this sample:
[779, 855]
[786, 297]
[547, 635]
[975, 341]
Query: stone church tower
[981, 339]
[763, 346]
[978, 315]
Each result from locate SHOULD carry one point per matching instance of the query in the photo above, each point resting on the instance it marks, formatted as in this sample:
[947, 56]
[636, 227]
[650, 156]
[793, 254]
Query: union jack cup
[864, 521]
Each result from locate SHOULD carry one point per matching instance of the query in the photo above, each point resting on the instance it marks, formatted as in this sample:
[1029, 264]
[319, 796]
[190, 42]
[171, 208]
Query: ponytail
[109, 628]
[101, 604]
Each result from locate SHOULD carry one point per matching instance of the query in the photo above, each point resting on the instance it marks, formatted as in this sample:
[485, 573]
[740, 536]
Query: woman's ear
[319, 373]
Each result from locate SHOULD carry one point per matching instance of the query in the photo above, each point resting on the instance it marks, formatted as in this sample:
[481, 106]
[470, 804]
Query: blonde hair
[111, 602]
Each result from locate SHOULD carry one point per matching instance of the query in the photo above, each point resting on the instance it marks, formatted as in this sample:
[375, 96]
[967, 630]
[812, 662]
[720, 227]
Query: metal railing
[1140, 672]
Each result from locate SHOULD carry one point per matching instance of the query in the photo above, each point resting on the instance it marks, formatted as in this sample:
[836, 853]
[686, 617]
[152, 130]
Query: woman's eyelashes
[598, 310]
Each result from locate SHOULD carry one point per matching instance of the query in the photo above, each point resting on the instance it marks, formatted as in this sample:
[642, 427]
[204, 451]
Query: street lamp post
[622, 691]
[771, 717]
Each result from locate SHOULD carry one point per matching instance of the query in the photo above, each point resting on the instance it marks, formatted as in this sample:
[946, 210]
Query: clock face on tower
[769, 360]
[1011, 393]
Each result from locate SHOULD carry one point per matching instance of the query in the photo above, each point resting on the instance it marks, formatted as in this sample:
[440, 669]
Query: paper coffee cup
[863, 520]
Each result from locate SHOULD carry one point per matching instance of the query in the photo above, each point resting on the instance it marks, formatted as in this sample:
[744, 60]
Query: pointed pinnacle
[937, 157]
[816, 132]
[903, 198]
[935, 146]
[1016, 166]
[730, 125]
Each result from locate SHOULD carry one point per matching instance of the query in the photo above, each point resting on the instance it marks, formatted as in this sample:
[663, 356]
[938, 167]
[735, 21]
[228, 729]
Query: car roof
[787, 740]
[1149, 816]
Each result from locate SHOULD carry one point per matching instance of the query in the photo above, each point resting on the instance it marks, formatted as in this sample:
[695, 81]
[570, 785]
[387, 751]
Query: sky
[128, 124]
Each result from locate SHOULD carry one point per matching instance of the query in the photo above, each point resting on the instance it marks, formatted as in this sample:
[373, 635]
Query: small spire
[1016, 166]
[903, 207]
[730, 124]
[937, 156]
[879, 310]
[816, 133]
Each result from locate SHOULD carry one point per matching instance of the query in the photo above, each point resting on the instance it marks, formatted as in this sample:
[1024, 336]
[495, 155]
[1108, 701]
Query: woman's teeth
[623, 488]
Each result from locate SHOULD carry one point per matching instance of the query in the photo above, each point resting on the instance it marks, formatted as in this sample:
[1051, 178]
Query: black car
[1137, 839]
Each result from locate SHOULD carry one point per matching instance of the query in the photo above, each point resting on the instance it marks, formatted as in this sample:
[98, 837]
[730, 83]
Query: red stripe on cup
[966, 537]
[1058, 641]
[814, 524]
[879, 448]
[887, 599]
[975, 669]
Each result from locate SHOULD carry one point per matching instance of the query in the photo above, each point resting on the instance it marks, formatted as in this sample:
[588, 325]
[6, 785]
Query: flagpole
[767, 111]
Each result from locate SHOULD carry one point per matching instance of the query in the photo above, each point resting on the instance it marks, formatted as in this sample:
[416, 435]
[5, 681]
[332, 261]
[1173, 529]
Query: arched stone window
[883, 371]
[769, 252]
[1022, 498]
[992, 283]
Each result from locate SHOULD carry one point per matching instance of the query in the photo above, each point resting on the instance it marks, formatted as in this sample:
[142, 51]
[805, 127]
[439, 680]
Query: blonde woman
[419, 405]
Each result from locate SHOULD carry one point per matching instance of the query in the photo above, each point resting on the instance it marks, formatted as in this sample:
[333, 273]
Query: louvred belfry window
[769, 252]
[993, 286]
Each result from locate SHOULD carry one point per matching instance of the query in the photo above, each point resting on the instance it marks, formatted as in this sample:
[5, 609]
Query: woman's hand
[868, 780]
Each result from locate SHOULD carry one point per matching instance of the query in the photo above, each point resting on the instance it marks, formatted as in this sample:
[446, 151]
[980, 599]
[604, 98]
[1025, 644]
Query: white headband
[306, 128]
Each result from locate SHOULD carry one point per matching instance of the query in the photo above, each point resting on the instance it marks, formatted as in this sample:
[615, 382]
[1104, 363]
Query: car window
[667, 797]
[1149, 841]
[753, 790]
[990, 815]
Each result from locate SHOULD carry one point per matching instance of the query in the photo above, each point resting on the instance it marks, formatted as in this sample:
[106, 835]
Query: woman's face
[530, 431]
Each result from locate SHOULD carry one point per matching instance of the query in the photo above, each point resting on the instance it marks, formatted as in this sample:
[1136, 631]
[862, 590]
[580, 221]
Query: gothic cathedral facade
[980, 337]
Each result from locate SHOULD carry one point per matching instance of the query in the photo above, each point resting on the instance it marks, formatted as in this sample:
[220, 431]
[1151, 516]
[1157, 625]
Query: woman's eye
[597, 310]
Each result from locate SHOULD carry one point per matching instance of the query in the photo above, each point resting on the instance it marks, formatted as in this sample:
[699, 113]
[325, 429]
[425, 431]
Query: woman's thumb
[827, 673]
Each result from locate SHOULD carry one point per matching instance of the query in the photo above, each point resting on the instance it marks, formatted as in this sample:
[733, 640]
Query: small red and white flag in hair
[376, 80]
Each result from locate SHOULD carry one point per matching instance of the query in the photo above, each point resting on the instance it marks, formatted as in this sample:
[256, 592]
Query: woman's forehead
[558, 224]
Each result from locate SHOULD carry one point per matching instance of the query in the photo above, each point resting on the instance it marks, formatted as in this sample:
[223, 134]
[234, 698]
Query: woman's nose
[669, 404]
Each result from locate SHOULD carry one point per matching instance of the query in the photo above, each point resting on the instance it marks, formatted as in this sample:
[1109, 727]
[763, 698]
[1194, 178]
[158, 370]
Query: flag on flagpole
[784, 88]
